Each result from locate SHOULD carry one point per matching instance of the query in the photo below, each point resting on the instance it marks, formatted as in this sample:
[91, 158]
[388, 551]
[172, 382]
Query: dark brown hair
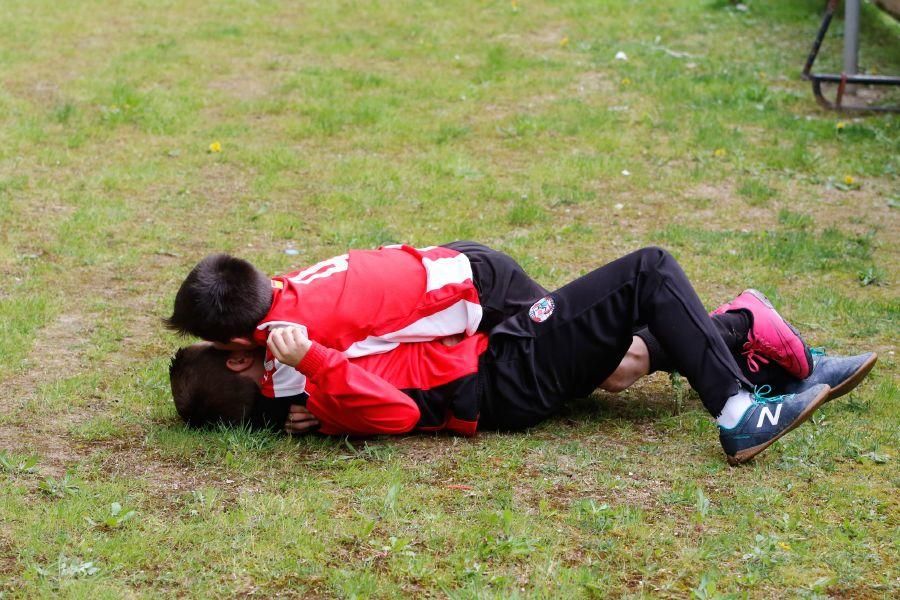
[207, 392]
[204, 389]
[221, 298]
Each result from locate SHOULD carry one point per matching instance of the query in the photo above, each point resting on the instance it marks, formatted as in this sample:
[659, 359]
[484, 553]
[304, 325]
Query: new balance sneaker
[770, 338]
[840, 373]
[767, 419]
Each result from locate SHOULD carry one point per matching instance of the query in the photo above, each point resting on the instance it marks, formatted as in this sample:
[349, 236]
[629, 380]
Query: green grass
[355, 124]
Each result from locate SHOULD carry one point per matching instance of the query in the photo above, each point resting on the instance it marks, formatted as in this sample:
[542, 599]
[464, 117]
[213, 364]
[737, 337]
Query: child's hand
[288, 344]
[300, 420]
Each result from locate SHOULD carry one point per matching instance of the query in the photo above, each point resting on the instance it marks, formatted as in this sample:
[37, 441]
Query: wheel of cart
[850, 75]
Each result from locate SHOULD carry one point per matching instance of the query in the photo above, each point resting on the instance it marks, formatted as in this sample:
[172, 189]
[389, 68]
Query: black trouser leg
[732, 327]
[535, 366]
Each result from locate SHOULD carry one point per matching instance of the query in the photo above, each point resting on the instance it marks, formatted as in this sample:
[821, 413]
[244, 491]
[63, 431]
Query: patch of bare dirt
[56, 350]
[56, 452]
[720, 208]
[222, 181]
[859, 210]
[165, 478]
[240, 87]
[59, 351]
[593, 82]
[549, 37]
[7, 551]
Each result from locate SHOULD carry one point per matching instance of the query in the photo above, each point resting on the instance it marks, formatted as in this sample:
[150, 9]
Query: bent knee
[614, 386]
[619, 381]
[654, 253]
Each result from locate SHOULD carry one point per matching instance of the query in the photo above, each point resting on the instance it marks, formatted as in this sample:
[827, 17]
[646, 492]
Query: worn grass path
[346, 124]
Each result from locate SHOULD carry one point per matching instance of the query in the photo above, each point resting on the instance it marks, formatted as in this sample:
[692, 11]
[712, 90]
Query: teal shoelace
[761, 395]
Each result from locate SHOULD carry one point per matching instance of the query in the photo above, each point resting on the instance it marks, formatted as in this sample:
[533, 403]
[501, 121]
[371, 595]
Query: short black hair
[221, 298]
[207, 393]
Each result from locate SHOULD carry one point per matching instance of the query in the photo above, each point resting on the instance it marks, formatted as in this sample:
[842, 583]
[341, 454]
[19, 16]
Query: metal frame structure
[849, 76]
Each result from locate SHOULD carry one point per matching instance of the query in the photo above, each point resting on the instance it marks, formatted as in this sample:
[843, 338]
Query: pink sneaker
[770, 338]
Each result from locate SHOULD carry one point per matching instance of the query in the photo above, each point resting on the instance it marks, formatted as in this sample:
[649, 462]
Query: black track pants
[566, 346]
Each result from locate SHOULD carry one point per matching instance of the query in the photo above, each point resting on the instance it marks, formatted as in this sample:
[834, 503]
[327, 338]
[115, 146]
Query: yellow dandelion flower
[215, 147]
[840, 125]
[849, 179]
[719, 152]
[564, 42]
[626, 81]
[784, 546]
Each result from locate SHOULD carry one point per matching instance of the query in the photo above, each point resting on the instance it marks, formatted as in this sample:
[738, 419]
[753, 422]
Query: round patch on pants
[541, 310]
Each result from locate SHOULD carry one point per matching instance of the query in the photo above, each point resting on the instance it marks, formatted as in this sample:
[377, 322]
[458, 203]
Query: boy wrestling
[561, 347]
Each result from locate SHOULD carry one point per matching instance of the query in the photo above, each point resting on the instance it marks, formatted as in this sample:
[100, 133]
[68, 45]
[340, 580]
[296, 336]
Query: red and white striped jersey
[368, 302]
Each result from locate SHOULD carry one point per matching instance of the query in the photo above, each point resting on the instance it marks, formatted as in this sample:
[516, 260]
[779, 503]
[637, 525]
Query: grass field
[137, 136]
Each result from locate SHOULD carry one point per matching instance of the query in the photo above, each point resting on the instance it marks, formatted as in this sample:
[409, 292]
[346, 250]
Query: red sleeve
[347, 399]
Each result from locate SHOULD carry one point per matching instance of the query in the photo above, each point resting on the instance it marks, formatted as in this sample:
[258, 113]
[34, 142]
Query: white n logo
[773, 419]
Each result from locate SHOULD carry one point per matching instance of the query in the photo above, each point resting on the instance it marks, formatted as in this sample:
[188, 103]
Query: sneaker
[840, 373]
[768, 419]
[770, 338]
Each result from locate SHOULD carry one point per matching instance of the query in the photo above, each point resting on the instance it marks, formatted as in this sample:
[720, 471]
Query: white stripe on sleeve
[464, 316]
[443, 271]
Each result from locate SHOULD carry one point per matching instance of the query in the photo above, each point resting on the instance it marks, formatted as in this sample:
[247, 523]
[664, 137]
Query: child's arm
[345, 398]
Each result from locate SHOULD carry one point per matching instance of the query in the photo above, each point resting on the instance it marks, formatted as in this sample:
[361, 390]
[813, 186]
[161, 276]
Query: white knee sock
[734, 409]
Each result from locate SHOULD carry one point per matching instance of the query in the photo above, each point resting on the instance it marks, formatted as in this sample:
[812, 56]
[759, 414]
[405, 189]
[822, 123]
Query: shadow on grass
[634, 406]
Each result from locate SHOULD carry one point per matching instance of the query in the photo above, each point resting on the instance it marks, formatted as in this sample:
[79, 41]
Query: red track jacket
[362, 396]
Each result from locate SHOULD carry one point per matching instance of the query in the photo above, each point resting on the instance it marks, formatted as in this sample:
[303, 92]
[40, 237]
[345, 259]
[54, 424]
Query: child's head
[223, 297]
[213, 386]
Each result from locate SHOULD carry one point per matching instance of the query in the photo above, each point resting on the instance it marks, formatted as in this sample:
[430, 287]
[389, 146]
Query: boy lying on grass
[396, 372]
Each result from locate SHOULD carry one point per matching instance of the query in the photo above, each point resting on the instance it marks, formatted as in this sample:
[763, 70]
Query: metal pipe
[851, 40]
